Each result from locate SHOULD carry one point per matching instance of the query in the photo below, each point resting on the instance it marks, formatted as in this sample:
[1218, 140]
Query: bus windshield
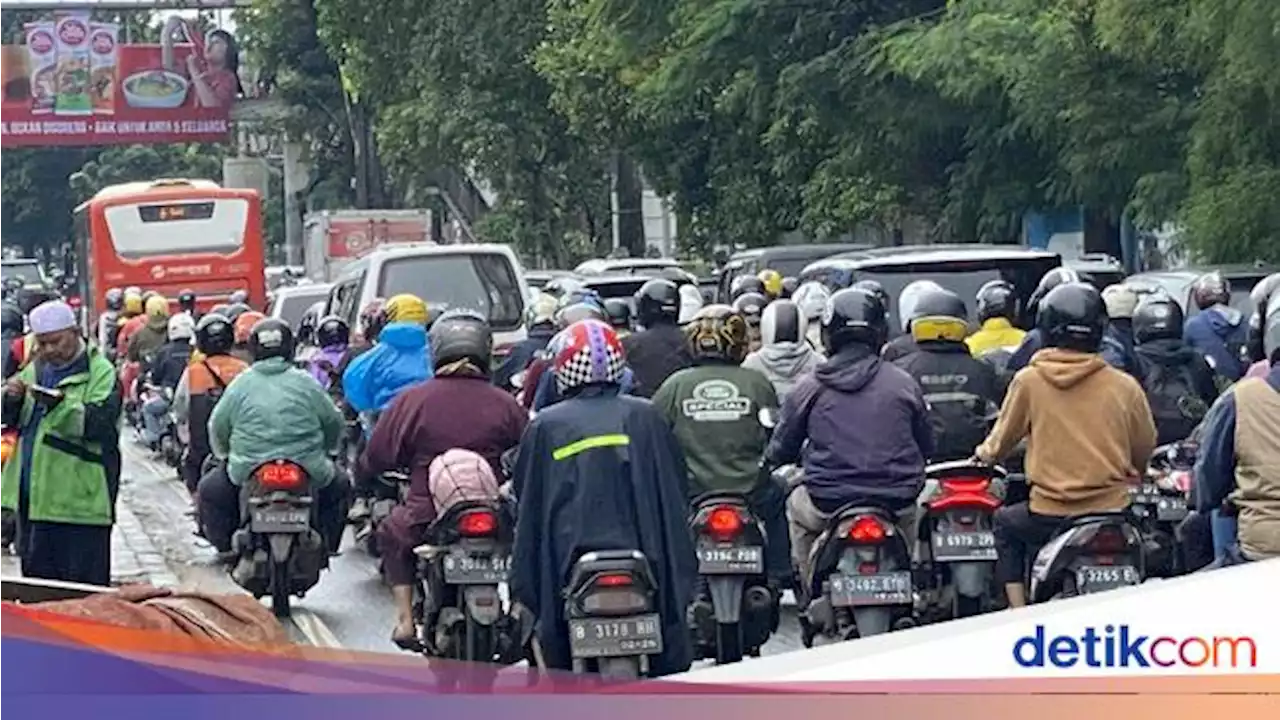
[175, 228]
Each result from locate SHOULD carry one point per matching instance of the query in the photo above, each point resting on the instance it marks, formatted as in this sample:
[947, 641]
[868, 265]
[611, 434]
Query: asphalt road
[351, 607]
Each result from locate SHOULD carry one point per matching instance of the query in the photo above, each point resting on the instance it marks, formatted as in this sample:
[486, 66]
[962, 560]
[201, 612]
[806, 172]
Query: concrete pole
[297, 172]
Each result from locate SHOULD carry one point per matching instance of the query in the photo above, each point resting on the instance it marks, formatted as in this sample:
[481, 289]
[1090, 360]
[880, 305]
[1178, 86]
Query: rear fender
[970, 578]
[872, 620]
[482, 602]
[726, 597]
[281, 545]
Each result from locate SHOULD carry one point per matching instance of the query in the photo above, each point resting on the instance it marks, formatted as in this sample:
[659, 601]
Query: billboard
[72, 82]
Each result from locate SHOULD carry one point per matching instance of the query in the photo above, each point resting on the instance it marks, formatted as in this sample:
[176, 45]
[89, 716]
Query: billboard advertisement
[73, 82]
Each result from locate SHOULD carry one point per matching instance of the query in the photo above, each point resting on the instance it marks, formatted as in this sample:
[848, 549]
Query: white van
[485, 278]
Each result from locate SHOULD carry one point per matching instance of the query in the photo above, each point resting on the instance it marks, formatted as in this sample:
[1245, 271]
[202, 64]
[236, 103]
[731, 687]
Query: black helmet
[658, 303]
[854, 316]
[239, 297]
[619, 312]
[997, 299]
[744, 284]
[875, 288]
[30, 299]
[271, 338]
[789, 285]
[215, 335]
[13, 320]
[1157, 318]
[307, 324]
[115, 299]
[1211, 289]
[187, 300]
[939, 314]
[717, 334]
[751, 307]
[236, 309]
[1259, 298]
[782, 322]
[462, 335]
[1072, 316]
[331, 331]
[1049, 281]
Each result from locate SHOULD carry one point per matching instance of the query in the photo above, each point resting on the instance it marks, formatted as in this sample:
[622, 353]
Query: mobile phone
[46, 394]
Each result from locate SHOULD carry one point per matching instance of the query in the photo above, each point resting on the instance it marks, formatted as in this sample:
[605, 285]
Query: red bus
[170, 235]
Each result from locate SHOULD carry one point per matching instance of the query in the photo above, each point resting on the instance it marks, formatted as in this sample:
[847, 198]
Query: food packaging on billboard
[42, 56]
[72, 33]
[103, 61]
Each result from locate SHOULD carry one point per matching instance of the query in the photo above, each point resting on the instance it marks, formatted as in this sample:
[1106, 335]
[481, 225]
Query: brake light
[964, 492]
[964, 484]
[724, 523]
[613, 580]
[477, 523]
[1108, 540]
[866, 529]
[280, 475]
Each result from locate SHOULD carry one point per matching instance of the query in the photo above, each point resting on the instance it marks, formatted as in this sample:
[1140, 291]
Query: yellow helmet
[157, 307]
[772, 280]
[406, 308]
[133, 303]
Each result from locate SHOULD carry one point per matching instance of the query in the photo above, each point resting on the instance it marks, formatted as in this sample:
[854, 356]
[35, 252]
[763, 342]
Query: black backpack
[1175, 405]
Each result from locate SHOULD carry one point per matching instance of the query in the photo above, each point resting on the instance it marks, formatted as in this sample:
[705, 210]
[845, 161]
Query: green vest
[68, 477]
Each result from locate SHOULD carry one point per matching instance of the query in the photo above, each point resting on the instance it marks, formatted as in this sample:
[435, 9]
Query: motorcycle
[1160, 504]
[957, 530]
[391, 489]
[466, 557]
[611, 608]
[170, 446]
[280, 552]
[1089, 554]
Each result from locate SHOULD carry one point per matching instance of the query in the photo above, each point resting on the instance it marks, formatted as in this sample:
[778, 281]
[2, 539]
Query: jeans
[154, 418]
[219, 508]
[1019, 535]
[1224, 534]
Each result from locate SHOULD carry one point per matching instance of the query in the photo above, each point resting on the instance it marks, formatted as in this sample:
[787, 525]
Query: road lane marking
[314, 629]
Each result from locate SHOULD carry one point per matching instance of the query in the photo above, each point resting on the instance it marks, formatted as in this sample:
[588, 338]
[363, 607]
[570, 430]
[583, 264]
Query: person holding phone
[63, 479]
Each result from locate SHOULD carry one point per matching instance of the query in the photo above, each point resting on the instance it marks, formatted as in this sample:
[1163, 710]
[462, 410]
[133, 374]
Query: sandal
[410, 643]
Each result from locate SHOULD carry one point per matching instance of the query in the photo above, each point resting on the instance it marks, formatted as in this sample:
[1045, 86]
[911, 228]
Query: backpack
[1175, 405]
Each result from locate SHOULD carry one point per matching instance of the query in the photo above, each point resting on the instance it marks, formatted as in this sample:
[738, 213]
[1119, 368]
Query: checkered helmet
[587, 352]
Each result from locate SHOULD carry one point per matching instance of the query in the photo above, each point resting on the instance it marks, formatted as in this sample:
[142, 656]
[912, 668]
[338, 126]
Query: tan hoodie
[1089, 432]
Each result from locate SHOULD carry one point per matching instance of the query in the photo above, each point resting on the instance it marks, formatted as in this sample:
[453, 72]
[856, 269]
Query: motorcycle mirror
[768, 418]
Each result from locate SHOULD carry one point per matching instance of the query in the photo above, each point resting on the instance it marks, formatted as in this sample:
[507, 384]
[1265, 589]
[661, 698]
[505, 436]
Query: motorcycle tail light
[724, 523]
[280, 475]
[866, 530]
[477, 523]
[1108, 541]
[964, 492]
[613, 580]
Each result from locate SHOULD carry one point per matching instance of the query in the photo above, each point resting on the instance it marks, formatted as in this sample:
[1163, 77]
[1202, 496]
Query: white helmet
[1271, 328]
[910, 295]
[1121, 300]
[690, 303]
[812, 298]
[181, 327]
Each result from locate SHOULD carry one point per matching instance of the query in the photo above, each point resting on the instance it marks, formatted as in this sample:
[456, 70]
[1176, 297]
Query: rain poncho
[400, 359]
[323, 364]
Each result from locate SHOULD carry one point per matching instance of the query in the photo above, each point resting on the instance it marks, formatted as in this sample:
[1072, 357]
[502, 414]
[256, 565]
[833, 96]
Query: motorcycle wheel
[619, 668]
[280, 589]
[728, 643]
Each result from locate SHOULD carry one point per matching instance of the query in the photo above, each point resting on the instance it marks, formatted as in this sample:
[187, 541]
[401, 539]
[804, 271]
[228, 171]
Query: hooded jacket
[332, 356]
[1117, 346]
[1158, 358]
[868, 431]
[784, 363]
[1032, 342]
[400, 359]
[1219, 333]
[655, 354]
[148, 339]
[996, 333]
[1089, 429]
[275, 411]
[169, 362]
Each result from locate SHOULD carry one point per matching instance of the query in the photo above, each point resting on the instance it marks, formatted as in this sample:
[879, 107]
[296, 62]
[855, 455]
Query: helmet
[939, 315]
[745, 284]
[1049, 281]
[115, 299]
[1259, 298]
[782, 322]
[789, 285]
[718, 334]
[875, 288]
[332, 331]
[997, 299]
[907, 300]
[812, 298]
[558, 287]
[133, 301]
[270, 338]
[147, 295]
[462, 335]
[579, 295]
[1120, 300]
[181, 327]
[772, 281]
[239, 297]
[244, 325]
[658, 303]
[133, 290]
[1211, 289]
[576, 312]
[691, 302]
[372, 318]
[406, 308]
[854, 316]
[750, 306]
[679, 276]
[13, 320]
[235, 310]
[187, 300]
[1157, 318]
[220, 310]
[587, 352]
[307, 324]
[157, 307]
[542, 311]
[1072, 316]
[1271, 330]
[618, 311]
[214, 334]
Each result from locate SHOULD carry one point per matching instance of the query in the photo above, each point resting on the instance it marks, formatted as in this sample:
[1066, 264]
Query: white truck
[333, 238]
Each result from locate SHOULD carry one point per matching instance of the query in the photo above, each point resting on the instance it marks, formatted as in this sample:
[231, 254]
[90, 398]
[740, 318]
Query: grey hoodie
[784, 364]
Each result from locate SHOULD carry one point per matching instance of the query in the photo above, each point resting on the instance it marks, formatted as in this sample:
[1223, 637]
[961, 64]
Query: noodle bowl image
[155, 89]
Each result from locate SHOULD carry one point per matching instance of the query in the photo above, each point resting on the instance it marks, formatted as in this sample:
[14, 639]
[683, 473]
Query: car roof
[313, 288]
[1190, 274]
[604, 265]
[785, 251]
[929, 254]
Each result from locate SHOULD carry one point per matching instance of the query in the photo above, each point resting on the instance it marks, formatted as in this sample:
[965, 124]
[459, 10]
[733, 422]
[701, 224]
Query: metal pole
[296, 174]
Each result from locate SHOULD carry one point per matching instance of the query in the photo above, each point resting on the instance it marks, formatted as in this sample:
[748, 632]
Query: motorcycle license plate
[887, 588]
[462, 568]
[1099, 578]
[1145, 495]
[269, 520]
[730, 560]
[615, 637]
[963, 546]
[1171, 509]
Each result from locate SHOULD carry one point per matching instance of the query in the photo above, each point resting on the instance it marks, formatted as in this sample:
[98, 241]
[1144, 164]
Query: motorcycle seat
[597, 561]
[719, 498]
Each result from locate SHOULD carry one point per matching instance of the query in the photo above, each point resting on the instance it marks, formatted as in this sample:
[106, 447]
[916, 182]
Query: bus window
[144, 230]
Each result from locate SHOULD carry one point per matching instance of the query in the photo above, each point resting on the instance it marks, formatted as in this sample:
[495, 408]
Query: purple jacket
[868, 430]
[331, 355]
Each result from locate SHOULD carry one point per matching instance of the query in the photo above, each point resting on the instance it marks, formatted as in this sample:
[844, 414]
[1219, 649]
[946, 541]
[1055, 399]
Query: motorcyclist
[1120, 300]
[236, 309]
[243, 325]
[131, 321]
[164, 372]
[905, 344]
[1176, 379]
[332, 336]
[1218, 331]
[751, 307]
[658, 349]
[722, 438]
[202, 385]
[772, 281]
[306, 330]
[745, 284]
[618, 310]
[812, 299]
[541, 323]
[546, 392]
[401, 358]
[187, 303]
[865, 421]
[109, 322]
[962, 392]
[997, 338]
[789, 285]
[12, 328]
[239, 297]
[785, 355]
[144, 343]
[599, 471]
[1089, 427]
[1034, 339]
[458, 409]
[272, 411]
[1259, 298]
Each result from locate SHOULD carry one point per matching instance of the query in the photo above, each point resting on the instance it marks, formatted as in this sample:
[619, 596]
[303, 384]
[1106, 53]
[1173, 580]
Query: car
[963, 269]
[28, 270]
[290, 302]
[1099, 269]
[788, 260]
[486, 278]
[1177, 283]
[613, 266]
[538, 279]
[618, 286]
